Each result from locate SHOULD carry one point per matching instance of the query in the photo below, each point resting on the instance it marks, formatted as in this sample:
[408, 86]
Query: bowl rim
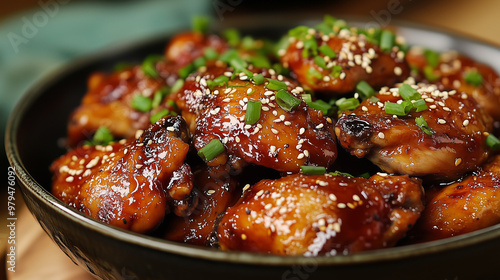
[29, 184]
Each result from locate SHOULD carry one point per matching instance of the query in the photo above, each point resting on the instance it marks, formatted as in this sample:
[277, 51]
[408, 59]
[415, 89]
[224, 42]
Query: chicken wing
[453, 71]
[130, 184]
[116, 101]
[334, 58]
[443, 141]
[322, 215]
[470, 204]
[281, 138]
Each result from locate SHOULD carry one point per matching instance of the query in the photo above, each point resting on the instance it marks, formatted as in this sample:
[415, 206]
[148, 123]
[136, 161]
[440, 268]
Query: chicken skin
[461, 207]
[442, 141]
[111, 102]
[129, 184]
[322, 215]
[215, 190]
[281, 138]
[453, 71]
[335, 59]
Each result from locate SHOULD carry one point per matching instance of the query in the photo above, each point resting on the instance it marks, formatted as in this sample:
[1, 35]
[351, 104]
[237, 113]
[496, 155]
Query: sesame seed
[248, 126]
[138, 133]
[203, 82]
[275, 131]
[381, 135]
[243, 236]
[302, 130]
[336, 227]
[268, 206]
[259, 193]
[237, 139]
[150, 142]
[283, 210]
[264, 108]
[441, 121]
[138, 166]
[398, 71]
[246, 187]
[226, 100]
[432, 106]
[306, 153]
[300, 156]
[275, 113]
[458, 161]
[125, 151]
[341, 205]
[350, 205]
[319, 126]
[272, 149]
[342, 75]
[332, 197]
[92, 163]
[70, 179]
[447, 109]
[465, 123]
[298, 146]
[355, 197]
[382, 174]
[430, 100]
[321, 222]
[364, 108]
[323, 183]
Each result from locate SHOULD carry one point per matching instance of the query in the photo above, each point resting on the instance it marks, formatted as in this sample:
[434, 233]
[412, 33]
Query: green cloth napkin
[35, 43]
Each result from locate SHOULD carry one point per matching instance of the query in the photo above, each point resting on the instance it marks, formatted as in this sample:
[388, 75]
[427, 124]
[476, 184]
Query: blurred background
[38, 36]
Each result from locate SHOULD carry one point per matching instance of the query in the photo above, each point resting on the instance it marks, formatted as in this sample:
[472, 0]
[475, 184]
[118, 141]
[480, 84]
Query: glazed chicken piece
[334, 62]
[453, 71]
[215, 190]
[322, 215]
[131, 184]
[282, 139]
[111, 101]
[184, 48]
[449, 142]
[461, 207]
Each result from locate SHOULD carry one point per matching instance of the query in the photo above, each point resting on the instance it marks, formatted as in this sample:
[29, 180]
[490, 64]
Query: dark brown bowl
[39, 123]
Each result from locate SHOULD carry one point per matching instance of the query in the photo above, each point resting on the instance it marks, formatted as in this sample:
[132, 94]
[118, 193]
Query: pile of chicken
[232, 142]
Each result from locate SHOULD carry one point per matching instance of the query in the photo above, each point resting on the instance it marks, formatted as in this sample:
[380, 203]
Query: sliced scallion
[102, 136]
[200, 24]
[473, 77]
[258, 79]
[429, 74]
[387, 39]
[493, 142]
[420, 121]
[320, 61]
[345, 104]
[420, 105]
[286, 101]
[177, 85]
[186, 70]
[401, 109]
[219, 81]
[275, 84]
[158, 115]
[253, 111]
[365, 90]
[210, 53]
[211, 150]
[408, 92]
[326, 50]
[232, 36]
[141, 103]
[149, 65]
[432, 57]
[312, 170]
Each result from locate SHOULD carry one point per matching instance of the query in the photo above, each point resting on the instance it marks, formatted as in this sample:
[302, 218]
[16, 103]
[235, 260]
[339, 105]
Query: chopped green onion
[228, 55]
[200, 24]
[211, 150]
[258, 79]
[408, 92]
[219, 81]
[253, 111]
[286, 101]
[173, 105]
[186, 70]
[280, 69]
[387, 39]
[493, 142]
[177, 85]
[374, 99]
[102, 136]
[420, 105]
[247, 72]
[432, 58]
[429, 74]
[210, 53]
[321, 106]
[398, 109]
[345, 104]
[312, 170]
[365, 175]
[336, 71]
[238, 63]
[313, 73]
[365, 90]
[199, 62]
[310, 47]
[259, 61]
[420, 121]
[232, 36]
[320, 61]
[275, 84]
[149, 65]
[473, 77]
[338, 173]
[299, 32]
[248, 43]
[141, 103]
[158, 115]
[158, 97]
[326, 50]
